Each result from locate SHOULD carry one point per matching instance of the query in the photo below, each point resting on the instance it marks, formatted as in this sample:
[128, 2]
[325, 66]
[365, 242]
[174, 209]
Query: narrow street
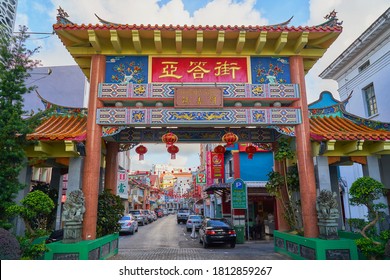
[164, 239]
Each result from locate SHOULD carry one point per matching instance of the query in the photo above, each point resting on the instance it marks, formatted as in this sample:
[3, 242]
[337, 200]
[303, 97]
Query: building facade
[7, 15]
[362, 72]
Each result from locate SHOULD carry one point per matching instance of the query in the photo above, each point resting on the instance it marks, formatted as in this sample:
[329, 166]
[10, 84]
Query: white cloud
[188, 156]
[228, 12]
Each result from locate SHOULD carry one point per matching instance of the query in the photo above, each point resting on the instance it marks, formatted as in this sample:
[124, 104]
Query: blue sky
[357, 16]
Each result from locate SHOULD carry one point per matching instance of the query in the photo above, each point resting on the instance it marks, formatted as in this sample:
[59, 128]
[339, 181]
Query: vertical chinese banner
[122, 184]
[217, 165]
[209, 179]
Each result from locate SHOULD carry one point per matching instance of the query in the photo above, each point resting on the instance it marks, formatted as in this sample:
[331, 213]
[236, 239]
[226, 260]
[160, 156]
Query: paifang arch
[200, 80]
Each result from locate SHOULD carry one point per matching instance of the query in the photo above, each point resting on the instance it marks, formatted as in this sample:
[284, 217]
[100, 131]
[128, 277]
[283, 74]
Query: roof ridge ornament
[282, 24]
[105, 21]
[62, 16]
[332, 20]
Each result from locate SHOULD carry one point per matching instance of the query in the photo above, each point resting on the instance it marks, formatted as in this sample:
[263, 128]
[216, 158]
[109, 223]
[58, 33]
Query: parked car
[182, 215]
[171, 211]
[165, 211]
[140, 216]
[129, 224]
[194, 220]
[159, 212]
[149, 215]
[217, 231]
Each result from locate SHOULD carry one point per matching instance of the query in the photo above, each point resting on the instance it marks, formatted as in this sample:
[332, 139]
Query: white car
[194, 220]
[129, 224]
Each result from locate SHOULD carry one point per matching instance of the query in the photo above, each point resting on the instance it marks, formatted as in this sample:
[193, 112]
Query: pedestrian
[259, 226]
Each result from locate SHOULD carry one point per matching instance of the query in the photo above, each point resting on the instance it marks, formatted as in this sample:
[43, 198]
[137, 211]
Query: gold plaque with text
[198, 97]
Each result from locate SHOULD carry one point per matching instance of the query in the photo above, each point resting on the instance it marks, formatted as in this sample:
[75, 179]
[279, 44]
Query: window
[231, 173]
[364, 66]
[369, 95]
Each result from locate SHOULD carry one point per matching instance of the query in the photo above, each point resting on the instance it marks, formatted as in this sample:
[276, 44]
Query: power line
[40, 33]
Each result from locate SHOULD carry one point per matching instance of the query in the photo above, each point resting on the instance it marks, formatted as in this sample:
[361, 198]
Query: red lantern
[173, 150]
[141, 150]
[169, 138]
[229, 138]
[219, 149]
[250, 150]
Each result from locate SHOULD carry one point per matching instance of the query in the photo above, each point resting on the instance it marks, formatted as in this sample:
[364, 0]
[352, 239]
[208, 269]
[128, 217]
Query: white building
[8, 14]
[362, 72]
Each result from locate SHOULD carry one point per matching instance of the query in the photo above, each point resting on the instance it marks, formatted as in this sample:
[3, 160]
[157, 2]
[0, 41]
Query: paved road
[164, 239]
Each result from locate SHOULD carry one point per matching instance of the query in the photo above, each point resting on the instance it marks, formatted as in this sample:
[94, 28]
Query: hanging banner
[217, 165]
[209, 178]
[122, 184]
[239, 194]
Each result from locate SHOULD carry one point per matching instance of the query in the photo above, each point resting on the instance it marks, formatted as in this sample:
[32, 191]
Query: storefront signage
[199, 69]
[239, 194]
[217, 165]
[201, 179]
[122, 184]
[198, 97]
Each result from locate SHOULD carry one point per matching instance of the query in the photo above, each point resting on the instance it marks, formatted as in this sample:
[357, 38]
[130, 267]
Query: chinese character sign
[122, 184]
[199, 70]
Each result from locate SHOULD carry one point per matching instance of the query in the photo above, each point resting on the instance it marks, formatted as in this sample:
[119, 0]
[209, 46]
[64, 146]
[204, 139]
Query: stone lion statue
[74, 207]
[327, 206]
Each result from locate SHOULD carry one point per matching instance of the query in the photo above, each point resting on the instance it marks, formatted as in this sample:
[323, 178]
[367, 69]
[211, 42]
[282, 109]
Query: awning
[200, 201]
[218, 188]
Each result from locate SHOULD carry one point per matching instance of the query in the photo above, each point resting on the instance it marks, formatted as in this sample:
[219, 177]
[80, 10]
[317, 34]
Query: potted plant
[365, 191]
[35, 210]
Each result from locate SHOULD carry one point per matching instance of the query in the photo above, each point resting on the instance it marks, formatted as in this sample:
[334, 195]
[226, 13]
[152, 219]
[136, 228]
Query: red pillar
[304, 154]
[110, 178]
[236, 164]
[92, 160]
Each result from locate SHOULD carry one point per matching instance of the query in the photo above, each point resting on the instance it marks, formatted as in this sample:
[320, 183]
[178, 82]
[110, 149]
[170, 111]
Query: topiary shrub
[365, 191]
[35, 210]
[110, 210]
[9, 246]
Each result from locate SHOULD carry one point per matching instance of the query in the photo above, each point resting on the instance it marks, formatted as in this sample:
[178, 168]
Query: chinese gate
[197, 81]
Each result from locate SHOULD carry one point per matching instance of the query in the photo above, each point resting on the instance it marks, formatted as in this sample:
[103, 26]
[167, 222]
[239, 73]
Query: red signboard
[209, 178]
[199, 69]
[217, 165]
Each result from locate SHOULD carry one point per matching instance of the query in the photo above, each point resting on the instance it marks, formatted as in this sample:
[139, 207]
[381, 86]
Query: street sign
[239, 194]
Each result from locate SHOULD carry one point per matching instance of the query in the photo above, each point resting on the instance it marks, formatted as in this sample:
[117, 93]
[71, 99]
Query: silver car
[129, 224]
[141, 216]
[194, 220]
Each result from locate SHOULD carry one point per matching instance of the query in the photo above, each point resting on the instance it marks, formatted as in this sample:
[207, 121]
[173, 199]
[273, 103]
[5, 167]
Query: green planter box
[240, 233]
[302, 248]
[99, 249]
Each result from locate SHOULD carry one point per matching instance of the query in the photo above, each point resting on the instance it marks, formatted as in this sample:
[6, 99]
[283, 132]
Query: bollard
[193, 233]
